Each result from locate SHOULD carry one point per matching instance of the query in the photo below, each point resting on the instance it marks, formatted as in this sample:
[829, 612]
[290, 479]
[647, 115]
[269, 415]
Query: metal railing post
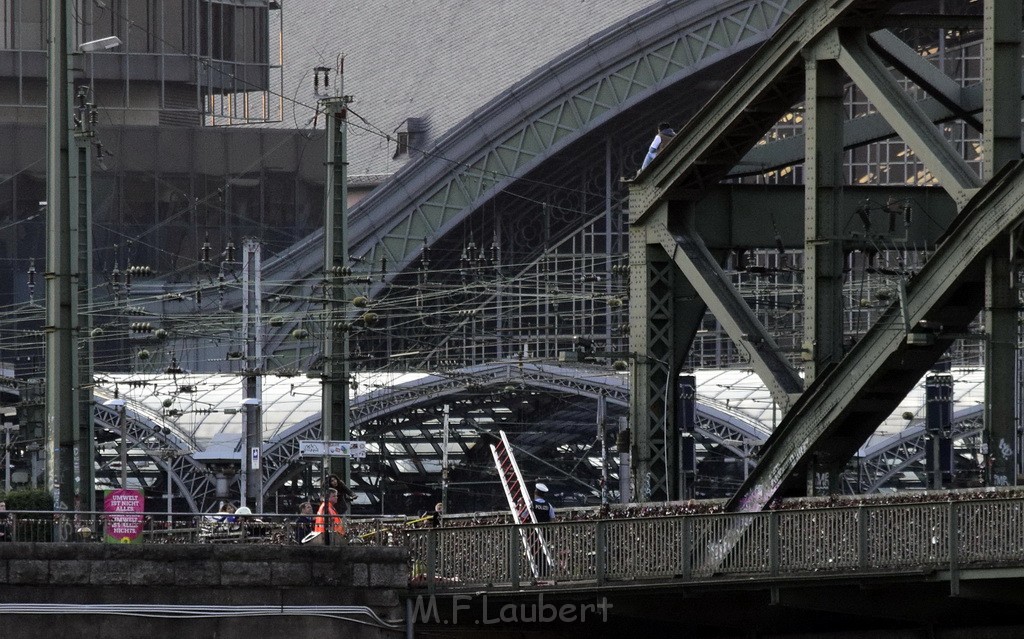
[862, 538]
[687, 547]
[954, 550]
[773, 543]
[431, 575]
[601, 540]
[513, 555]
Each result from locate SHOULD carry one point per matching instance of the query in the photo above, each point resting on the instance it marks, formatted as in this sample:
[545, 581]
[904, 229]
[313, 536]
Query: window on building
[231, 32]
[402, 144]
[409, 136]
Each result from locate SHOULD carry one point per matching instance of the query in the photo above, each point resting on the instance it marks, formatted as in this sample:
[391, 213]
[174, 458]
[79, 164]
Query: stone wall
[88, 590]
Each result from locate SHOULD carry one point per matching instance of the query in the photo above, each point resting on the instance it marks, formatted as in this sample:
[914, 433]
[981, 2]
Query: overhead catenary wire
[191, 205]
[395, 296]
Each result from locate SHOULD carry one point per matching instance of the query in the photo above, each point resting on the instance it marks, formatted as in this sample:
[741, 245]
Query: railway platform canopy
[190, 427]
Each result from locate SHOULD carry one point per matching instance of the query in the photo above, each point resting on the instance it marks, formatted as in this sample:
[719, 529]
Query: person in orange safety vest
[327, 516]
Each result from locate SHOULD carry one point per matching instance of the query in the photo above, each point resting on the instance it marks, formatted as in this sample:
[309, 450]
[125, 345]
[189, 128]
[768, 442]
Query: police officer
[542, 510]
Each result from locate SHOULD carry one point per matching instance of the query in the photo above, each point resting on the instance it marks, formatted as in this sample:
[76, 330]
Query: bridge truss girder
[803, 61]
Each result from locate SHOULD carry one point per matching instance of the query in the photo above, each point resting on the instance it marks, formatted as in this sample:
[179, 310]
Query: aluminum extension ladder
[521, 506]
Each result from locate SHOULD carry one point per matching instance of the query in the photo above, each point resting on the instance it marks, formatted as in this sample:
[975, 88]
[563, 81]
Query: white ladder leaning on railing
[520, 504]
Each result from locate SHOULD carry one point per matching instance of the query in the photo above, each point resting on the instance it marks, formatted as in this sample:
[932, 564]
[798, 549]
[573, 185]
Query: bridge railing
[88, 527]
[188, 528]
[839, 540]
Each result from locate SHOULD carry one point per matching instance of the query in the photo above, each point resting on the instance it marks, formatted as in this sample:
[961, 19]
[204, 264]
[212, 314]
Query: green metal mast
[68, 412]
[336, 381]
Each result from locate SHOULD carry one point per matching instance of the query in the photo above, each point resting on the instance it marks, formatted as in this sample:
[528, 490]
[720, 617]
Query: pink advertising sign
[124, 519]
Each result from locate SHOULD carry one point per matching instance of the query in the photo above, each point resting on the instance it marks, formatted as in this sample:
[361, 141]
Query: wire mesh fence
[838, 540]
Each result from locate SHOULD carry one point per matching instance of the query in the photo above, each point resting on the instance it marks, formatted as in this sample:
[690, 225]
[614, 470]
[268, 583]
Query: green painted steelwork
[872, 77]
[702, 271]
[702, 153]
[840, 410]
[1002, 140]
[727, 127]
[552, 125]
[857, 132]
[858, 388]
[823, 186]
[534, 121]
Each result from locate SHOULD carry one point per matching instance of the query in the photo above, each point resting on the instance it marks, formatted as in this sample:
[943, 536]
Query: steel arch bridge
[498, 168]
[534, 174]
[538, 164]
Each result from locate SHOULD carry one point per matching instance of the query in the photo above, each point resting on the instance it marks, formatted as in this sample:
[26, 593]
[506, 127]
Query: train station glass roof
[199, 408]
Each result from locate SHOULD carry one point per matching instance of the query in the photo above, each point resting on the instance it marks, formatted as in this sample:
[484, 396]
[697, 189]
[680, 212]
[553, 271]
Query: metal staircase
[519, 504]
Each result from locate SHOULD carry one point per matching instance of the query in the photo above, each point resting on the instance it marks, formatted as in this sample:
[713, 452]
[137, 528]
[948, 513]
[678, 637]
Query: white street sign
[334, 448]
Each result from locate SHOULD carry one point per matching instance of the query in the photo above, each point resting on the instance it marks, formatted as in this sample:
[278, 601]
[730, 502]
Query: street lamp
[118, 403]
[103, 44]
[69, 428]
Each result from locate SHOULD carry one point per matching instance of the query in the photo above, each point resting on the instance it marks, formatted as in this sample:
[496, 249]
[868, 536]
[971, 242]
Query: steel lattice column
[85, 439]
[336, 373]
[823, 184]
[652, 328]
[1002, 115]
[64, 389]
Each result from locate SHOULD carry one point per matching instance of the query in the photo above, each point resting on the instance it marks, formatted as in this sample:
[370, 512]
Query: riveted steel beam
[753, 216]
[725, 129]
[870, 74]
[837, 413]
[1002, 140]
[823, 186]
[857, 132]
[702, 271]
[924, 74]
[712, 142]
[653, 281]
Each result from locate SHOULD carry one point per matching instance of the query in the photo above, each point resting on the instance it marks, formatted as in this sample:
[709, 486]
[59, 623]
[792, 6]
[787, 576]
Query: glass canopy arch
[399, 415]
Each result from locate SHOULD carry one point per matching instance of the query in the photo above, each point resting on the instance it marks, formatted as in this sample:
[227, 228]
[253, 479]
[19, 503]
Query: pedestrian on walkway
[542, 509]
[327, 521]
